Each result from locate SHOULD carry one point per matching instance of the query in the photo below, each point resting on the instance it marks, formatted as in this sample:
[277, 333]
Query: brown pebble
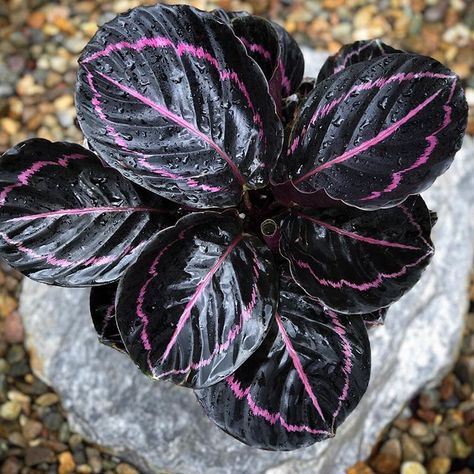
[360, 468]
[75, 441]
[446, 390]
[13, 331]
[17, 439]
[401, 423]
[412, 449]
[84, 469]
[124, 468]
[64, 25]
[66, 463]
[36, 20]
[10, 126]
[385, 463]
[460, 448]
[468, 435]
[12, 465]
[63, 102]
[428, 399]
[56, 446]
[32, 429]
[453, 419]
[411, 467]
[8, 304]
[443, 446]
[439, 466]
[47, 399]
[37, 455]
[428, 416]
[418, 429]
[10, 410]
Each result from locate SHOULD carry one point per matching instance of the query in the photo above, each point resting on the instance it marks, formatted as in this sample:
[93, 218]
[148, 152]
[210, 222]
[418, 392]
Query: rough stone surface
[161, 427]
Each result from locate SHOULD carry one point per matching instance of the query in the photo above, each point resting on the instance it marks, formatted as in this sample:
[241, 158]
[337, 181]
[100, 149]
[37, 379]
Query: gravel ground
[39, 44]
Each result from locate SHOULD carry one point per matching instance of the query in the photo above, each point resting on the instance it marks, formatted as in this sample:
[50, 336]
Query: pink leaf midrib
[179, 121]
[381, 136]
[353, 235]
[199, 290]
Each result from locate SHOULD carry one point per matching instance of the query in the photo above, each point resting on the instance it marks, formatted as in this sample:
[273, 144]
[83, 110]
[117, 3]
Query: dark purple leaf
[356, 261]
[291, 62]
[354, 53]
[102, 307]
[169, 97]
[376, 318]
[262, 43]
[288, 195]
[66, 219]
[227, 16]
[303, 381]
[377, 132]
[198, 301]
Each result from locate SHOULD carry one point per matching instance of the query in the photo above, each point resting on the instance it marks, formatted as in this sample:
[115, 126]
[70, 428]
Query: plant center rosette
[240, 226]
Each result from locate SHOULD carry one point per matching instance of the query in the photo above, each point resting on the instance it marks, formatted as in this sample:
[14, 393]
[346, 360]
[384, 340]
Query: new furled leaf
[354, 53]
[262, 43]
[290, 60]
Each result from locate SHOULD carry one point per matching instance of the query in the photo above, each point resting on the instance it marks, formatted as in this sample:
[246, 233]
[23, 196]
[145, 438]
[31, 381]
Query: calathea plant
[240, 227]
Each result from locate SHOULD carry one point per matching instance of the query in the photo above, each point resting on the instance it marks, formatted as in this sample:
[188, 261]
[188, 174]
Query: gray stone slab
[160, 427]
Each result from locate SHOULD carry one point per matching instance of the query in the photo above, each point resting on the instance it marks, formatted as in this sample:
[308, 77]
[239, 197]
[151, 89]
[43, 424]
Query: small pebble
[17, 439]
[67, 464]
[13, 331]
[47, 399]
[53, 421]
[35, 455]
[439, 466]
[32, 429]
[443, 446]
[7, 303]
[360, 468]
[460, 448]
[124, 468]
[412, 449]
[10, 410]
[418, 429]
[411, 467]
[12, 465]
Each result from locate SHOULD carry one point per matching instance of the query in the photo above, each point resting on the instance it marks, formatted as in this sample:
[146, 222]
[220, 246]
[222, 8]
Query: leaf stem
[247, 202]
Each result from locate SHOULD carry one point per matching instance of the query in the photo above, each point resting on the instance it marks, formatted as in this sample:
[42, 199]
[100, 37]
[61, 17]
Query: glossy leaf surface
[169, 97]
[354, 53]
[376, 318]
[304, 380]
[102, 307]
[198, 301]
[290, 60]
[356, 261]
[67, 220]
[377, 132]
[262, 43]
